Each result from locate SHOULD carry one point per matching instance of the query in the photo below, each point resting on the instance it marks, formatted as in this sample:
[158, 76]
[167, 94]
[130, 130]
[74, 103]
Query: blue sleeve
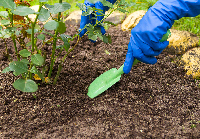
[177, 9]
[160, 17]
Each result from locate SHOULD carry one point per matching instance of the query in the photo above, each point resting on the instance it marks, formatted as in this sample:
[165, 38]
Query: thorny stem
[6, 46]
[62, 61]
[33, 27]
[14, 41]
[53, 54]
[13, 36]
[54, 47]
[44, 66]
[32, 36]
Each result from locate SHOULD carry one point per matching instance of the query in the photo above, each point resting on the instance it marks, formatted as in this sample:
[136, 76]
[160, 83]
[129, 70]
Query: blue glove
[145, 38]
[87, 19]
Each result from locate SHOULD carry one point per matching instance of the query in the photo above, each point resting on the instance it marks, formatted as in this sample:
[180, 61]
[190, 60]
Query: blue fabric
[87, 19]
[144, 42]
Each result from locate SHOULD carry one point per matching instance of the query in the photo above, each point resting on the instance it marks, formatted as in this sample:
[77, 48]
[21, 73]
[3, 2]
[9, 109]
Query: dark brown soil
[152, 101]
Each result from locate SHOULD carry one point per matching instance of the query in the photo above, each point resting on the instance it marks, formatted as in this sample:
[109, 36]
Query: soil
[152, 101]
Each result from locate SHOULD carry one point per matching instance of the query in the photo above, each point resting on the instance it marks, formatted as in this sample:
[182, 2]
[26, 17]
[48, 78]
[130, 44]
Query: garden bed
[152, 101]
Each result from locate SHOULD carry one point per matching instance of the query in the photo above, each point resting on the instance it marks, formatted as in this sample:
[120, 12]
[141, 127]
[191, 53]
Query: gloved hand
[145, 38]
[87, 19]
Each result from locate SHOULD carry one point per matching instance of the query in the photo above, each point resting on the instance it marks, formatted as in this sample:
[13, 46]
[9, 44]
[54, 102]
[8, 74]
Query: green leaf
[29, 31]
[122, 10]
[66, 47]
[38, 27]
[29, 44]
[36, 71]
[107, 39]
[110, 23]
[59, 7]
[106, 51]
[65, 37]
[43, 0]
[5, 22]
[100, 36]
[37, 59]
[23, 11]
[106, 3]
[43, 15]
[8, 4]
[4, 14]
[48, 6]
[7, 69]
[81, 6]
[24, 53]
[130, 4]
[17, 32]
[41, 37]
[51, 25]
[47, 33]
[1, 27]
[92, 36]
[11, 29]
[25, 85]
[61, 28]
[88, 12]
[5, 34]
[93, 1]
[25, 61]
[18, 67]
[60, 46]
[90, 27]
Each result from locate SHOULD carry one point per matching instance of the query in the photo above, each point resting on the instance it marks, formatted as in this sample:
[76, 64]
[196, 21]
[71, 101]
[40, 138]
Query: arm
[144, 42]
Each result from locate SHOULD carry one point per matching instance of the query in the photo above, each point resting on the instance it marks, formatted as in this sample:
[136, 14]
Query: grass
[191, 24]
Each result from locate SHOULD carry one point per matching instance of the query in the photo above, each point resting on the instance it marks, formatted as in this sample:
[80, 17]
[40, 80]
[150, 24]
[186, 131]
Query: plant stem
[44, 67]
[58, 73]
[32, 37]
[54, 47]
[11, 20]
[6, 46]
[53, 54]
[33, 28]
[62, 61]
[13, 36]
[14, 41]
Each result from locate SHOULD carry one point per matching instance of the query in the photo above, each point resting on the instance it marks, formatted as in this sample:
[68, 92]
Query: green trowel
[110, 77]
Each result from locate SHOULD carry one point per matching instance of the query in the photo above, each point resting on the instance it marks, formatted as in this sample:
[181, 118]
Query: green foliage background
[191, 24]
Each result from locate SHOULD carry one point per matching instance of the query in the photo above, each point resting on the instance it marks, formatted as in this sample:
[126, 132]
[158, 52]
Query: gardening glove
[145, 38]
[88, 19]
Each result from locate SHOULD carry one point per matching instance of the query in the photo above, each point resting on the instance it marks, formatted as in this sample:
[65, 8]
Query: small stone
[116, 17]
[191, 61]
[181, 41]
[132, 20]
[74, 18]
